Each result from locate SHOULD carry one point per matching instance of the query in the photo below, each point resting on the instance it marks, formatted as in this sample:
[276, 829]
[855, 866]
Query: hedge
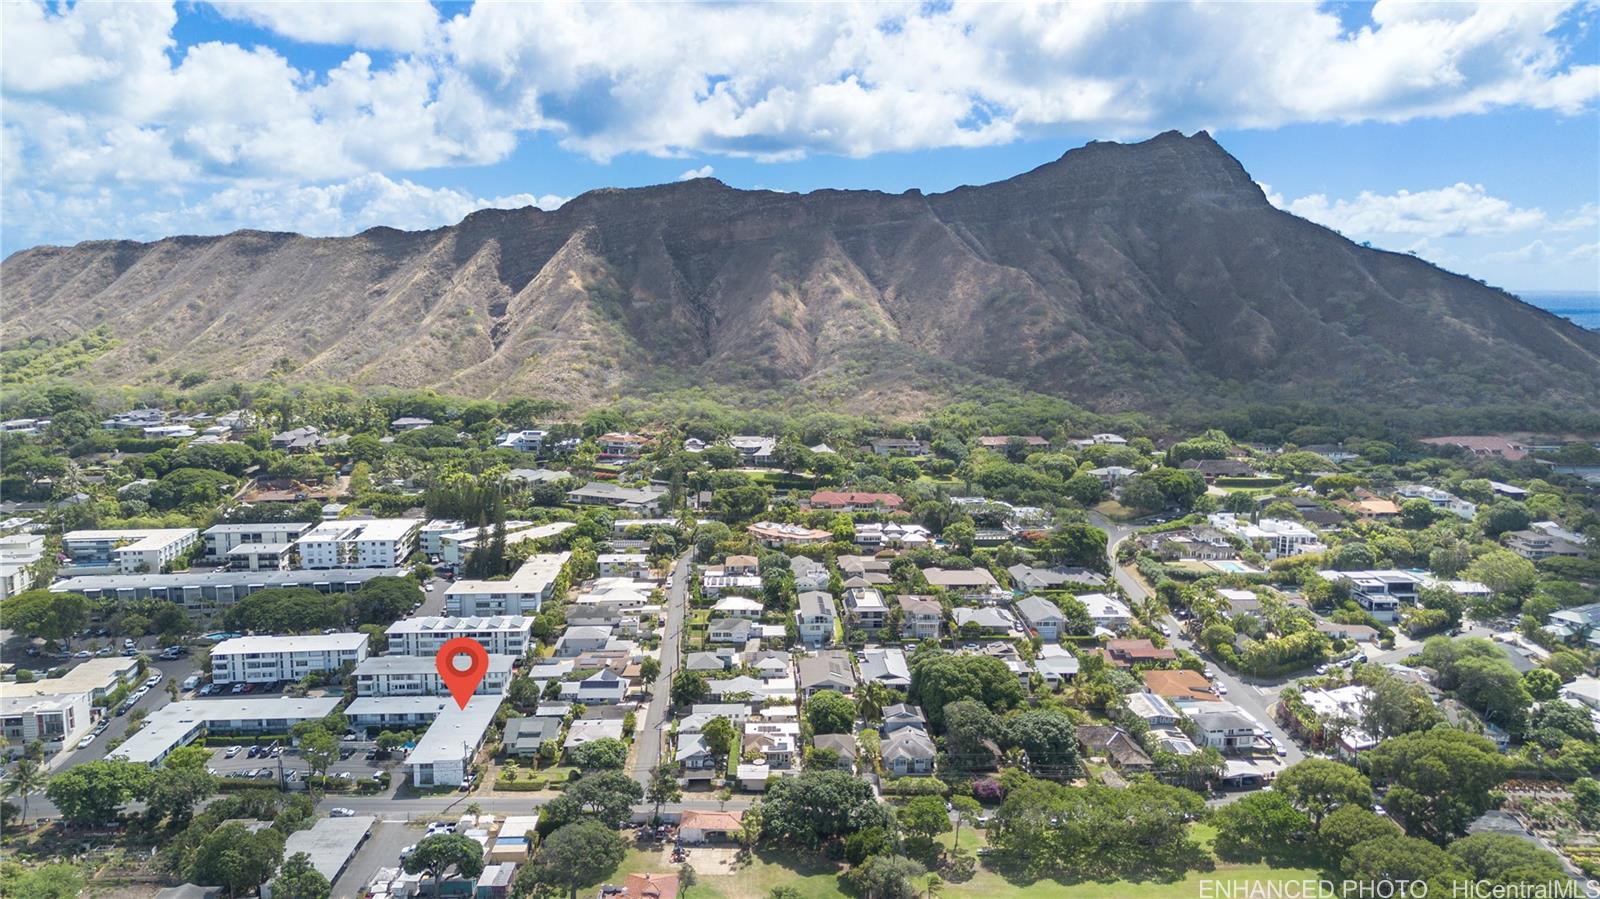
[916, 786]
[532, 785]
[1248, 482]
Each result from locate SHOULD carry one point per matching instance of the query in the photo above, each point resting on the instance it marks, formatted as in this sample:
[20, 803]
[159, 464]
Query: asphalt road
[652, 735]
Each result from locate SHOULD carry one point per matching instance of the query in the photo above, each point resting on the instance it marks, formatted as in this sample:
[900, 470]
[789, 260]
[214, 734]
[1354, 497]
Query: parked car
[232, 751]
[254, 752]
[83, 654]
[84, 743]
[341, 812]
[238, 688]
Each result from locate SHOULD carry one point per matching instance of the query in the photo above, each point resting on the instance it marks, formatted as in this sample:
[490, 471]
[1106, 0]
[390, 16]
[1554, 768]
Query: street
[1248, 697]
[650, 736]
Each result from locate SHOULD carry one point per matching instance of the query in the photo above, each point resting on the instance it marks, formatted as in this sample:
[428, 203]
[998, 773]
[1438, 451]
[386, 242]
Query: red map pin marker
[463, 682]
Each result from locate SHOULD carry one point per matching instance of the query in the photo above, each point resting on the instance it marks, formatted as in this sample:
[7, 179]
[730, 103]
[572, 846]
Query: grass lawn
[818, 879]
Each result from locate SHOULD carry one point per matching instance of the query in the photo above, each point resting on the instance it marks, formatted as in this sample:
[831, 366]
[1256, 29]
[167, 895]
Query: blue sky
[1468, 134]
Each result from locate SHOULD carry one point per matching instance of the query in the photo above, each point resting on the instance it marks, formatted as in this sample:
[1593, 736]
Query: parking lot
[241, 763]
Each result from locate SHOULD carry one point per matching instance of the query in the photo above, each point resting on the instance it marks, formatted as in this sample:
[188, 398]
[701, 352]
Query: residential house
[775, 534]
[695, 758]
[604, 687]
[577, 640]
[1380, 591]
[754, 450]
[902, 715]
[708, 662]
[737, 607]
[814, 618]
[1224, 729]
[1542, 543]
[524, 737]
[729, 630]
[975, 584]
[864, 607]
[1152, 709]
[1114, 744]
[710, 827]
[1106, 611]
[1029, 578]
[1211, 469]
[1276, 537]
[853, 501]
[843, 745]
[921, 617]
[989, 620]
[1002, 442]
[829, 669]
[809, 574]
[1127, 653]
[897, 446]
[644, 500]
[908, 751]
[1055, 664]
[1340, 711]
[623, 445]
[887, 666]
[1179, 684]
[1112, 475]
[524, 441]
[1043, 617]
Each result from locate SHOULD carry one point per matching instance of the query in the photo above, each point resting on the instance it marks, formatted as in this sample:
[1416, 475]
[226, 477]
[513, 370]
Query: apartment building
[129, 551]
[500, 634]
[260, 660]
[355, 543]
[419, 676]
[524, 593]
[224, 538]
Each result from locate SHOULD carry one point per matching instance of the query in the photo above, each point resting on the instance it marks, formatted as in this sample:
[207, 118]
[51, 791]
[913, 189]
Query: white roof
[170, 723]
[393, 529]
[259, 526]
[363, 706]
[374, 665]
[432, 623]
[308, 643]
[533, 576]
[456, 732]
[739, 603]
[330, 842]
[139, 539]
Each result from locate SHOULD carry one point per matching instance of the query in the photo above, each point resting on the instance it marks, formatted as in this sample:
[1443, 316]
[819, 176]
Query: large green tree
[818, 806]
[442, 853]
[384, 600]
[94, 792]
[1261, 826]
[1439, 779]
[1318, 786]
[297, 879]
[578, 856]
[940, 678]
[830, 712]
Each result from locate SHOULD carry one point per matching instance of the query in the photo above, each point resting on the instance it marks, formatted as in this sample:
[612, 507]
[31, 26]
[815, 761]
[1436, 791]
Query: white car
[406, 852]
[1222, 689]
[428, 587]
[84, 743]
[233, 751]
[341, 812]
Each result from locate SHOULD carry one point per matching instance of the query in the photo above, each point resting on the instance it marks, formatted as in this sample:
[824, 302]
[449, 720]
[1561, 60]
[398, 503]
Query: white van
[191, 682]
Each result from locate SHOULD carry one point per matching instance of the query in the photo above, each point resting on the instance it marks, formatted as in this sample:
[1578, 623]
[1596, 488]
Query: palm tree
[25, 778]
[934, 886]
[873, 697]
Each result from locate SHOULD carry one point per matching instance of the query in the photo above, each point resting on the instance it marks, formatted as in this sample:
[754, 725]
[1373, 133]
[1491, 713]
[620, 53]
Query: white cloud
[387, 25]
[100, 97]
[340, 208]
[1536, 251]
[701, 172]
[1454, 211]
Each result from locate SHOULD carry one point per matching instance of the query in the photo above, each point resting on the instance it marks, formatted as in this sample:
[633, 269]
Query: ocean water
[1580, 306]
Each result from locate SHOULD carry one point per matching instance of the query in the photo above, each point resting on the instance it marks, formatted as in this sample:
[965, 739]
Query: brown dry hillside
[1119, 276]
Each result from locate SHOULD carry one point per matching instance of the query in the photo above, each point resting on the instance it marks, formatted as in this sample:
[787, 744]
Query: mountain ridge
[1118, 275]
